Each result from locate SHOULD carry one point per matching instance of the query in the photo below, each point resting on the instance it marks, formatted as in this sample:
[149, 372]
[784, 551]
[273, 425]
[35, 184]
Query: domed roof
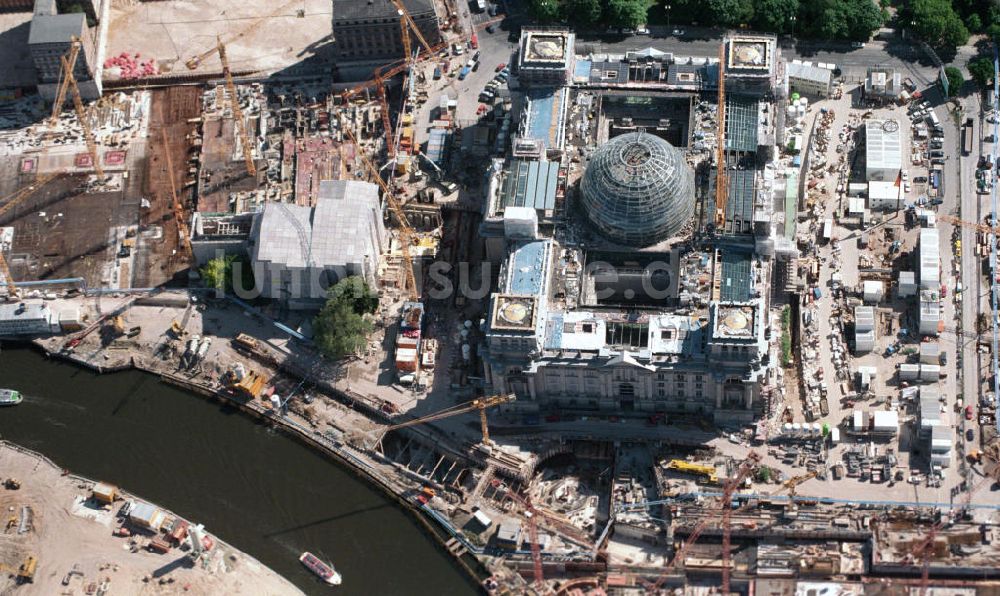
[638, 190]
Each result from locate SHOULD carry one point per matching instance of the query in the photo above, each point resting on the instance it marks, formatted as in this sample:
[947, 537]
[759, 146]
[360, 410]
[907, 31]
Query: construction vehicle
[118, 324]
[12, 484]
[481, 404]
[26, 572]
[792, 483]
[177, 330]
[234, 99]
[75, 341]
[247, 383]
[721, 180]
[707, 473]
[69, 81]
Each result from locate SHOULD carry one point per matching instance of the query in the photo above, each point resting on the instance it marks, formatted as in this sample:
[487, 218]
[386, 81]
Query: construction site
[646, 321]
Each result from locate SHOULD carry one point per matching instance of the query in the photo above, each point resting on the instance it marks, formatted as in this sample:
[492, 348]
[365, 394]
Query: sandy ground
[68, 532]
[172, 32]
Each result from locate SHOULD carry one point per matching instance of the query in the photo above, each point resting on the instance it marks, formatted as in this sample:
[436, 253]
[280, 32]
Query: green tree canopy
[973, 22]
[354, 291]
[938, 24]
[583, 12]
[981, 70]
[626, 13]
[217, 273]
[776, 16]
[731, 13]
[544, 11]
[840, 19]
[341, 327]
[955, 80]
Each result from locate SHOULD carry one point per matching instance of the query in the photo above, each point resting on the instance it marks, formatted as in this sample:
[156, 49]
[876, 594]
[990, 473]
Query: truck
[967, 132]
[408, 339]
[463, 73]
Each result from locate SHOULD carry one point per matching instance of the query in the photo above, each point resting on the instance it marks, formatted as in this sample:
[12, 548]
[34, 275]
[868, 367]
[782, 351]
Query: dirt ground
[67, 531]
[155, 261]
[259, 36]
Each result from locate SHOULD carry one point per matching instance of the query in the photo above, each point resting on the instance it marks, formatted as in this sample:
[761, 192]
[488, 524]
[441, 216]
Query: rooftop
[530, 184]
[883, 149]
[345, 11]
[335, 232]
[56, 28]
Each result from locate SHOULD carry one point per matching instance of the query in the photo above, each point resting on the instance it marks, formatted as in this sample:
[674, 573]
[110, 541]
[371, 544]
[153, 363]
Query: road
[901, 55]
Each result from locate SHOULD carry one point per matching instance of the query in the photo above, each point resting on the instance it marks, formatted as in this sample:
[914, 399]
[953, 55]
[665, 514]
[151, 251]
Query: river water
[260, 491]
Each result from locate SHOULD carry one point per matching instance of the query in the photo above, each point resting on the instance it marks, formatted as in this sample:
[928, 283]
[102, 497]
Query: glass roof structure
[637, 190]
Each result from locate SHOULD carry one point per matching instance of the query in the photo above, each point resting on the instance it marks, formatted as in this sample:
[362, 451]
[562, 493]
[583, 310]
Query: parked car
[476, 56]
[492, 10]
[920, 179]
[501, 66]
[642, 30]
[677, 32]
[969, 412]
[970, 435]
[490, 28]
[858, 44]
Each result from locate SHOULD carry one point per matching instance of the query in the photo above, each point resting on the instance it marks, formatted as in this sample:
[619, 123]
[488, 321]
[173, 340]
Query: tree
[341, 327]
[583, 12]
[626, 13]
[981, 70]
[355, 292]
[339, 330]
[218, 273]
[731, 13]
[973, 22]
[775, 16]
[938, 24]
[955, 80]
[840, 19]
[993, 31]
[544, 11]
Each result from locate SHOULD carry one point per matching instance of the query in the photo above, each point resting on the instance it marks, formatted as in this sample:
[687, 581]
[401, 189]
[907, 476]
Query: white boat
[325, 572]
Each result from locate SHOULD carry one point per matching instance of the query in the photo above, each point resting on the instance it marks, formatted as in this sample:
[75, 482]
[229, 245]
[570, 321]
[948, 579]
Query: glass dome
[637, 190]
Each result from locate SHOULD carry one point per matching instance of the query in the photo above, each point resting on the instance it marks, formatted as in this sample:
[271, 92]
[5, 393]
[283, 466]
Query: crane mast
[237, 112]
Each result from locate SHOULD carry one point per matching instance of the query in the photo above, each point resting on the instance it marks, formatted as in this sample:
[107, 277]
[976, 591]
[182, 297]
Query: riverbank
[56, 520]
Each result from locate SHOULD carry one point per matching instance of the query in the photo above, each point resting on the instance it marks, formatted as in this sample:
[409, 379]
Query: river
[262, 492]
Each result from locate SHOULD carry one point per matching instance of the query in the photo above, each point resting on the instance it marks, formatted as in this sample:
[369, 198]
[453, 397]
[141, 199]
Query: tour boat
[325, 572]
[9, 397]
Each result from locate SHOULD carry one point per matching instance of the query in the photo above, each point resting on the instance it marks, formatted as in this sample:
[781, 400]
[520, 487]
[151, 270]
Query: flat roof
[365, 10]
[736, 281]
[545, 122]
[883, 145]
[809, 72]
[742, 117]
[739, 201]
[56, 28]
[530, 184]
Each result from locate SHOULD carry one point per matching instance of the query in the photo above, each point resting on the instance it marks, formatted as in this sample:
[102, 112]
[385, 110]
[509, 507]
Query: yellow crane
[182, 228]
[74, 52]
[481, 404]
[721, 191]
[406, 232]
[9, 204]
[406, 25]
[237, 112]
[193, 62]
[69, 81]
[792, 483]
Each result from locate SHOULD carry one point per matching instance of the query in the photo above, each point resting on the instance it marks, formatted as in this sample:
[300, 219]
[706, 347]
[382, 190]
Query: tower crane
[925, 546]
[69, 81]
[182, 228]
[721, 181]
[9, 204]
[57, 105]
[531, 514]
[195, 61]
[406, 232]
[748, 465]
[481, 404]
[237, 112]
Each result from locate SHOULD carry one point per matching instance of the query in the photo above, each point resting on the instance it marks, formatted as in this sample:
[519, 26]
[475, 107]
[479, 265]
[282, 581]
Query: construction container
[406, 359]
[159, 545]
[104, 492]
[146, 515]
